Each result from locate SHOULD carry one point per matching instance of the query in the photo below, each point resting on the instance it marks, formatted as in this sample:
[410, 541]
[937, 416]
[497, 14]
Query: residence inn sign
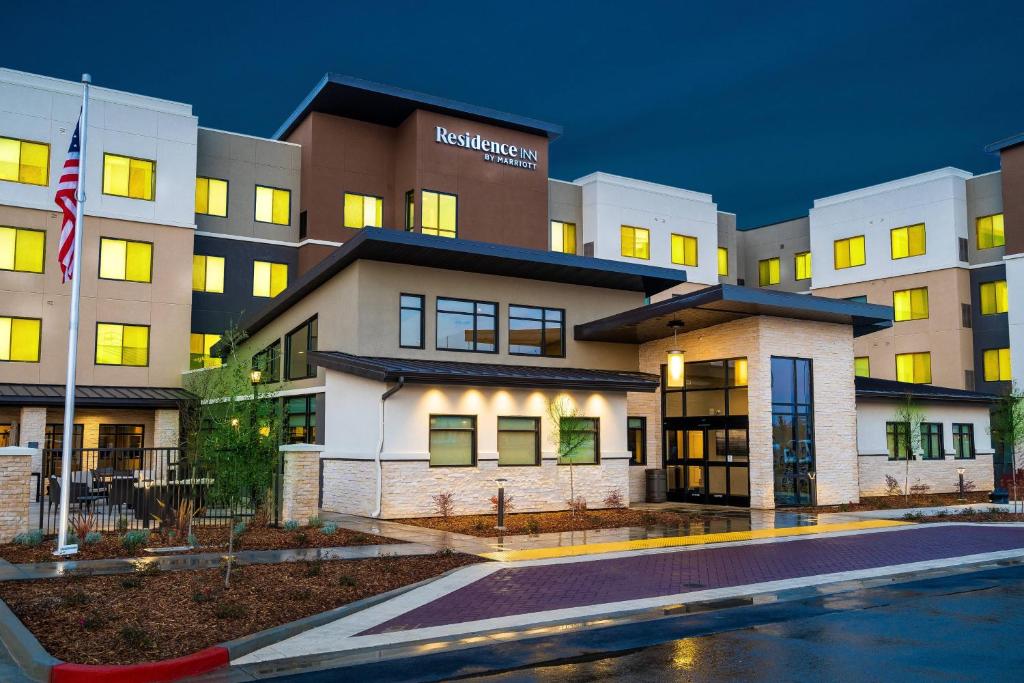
[497, 152]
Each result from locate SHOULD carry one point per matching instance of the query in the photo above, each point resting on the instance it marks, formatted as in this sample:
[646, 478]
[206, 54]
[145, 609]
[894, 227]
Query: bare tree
[570, 435]
[910, 414]
[1007, 425]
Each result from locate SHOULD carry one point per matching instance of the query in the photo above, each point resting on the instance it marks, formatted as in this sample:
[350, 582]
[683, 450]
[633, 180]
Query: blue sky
[765, 105]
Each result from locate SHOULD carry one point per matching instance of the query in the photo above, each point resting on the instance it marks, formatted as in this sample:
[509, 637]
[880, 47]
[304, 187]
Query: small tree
[570, 436]
[1007, 427]
[910, 414]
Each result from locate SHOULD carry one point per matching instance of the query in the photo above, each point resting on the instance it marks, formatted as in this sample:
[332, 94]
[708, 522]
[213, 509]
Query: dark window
[268, 362]
[302, 225]
[861, 299]
[464, 325]
[931, 441]
[452, 440]
[963, 248]
[122, 436]
[897, 437]
[588, 249]
[965, 316]
[298, 344]
[410, 210]
[579, 441]
[518, 440]
[636, 430]
[300, 419]
[792, 430]
[963, 441]
[410, 334]
[969, 380]
[54, 436]
[536, 331]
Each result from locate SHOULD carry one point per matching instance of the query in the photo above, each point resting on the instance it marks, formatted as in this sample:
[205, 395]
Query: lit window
[410, 210]
[452, 440]
[907, 241]
[199, 351]
[963, 440]
[802, 265]
[118, 344]
[635, 242]
[212, 196]
[19, 339]
[684, 250]
[518, 440]
[273, 205]
[22, 161]
[563, 237]
[580, 433]
[269, 279]
[910, 304]
[997, 365]
[300, 419]
[126, 260]
[636, 437]
[363, 211]
[990, 231]
[914, 367]
[768, 272]
[128, 177]
[897, 437]
[536, 331]
[862, 366]
[22, 250]
[208, 274]
[849, 252]
[440, 213]
[298, 343]
[723, 261]
[994, 297]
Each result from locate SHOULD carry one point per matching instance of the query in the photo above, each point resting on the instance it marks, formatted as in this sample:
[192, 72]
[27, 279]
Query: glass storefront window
[792, 430]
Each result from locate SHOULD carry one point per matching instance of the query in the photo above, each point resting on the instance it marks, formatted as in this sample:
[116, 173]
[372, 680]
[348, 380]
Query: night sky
[765, 105]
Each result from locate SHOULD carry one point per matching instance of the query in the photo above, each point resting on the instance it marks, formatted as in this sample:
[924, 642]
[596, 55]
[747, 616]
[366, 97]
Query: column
[32, 429]
[300, 486]
[15, 490]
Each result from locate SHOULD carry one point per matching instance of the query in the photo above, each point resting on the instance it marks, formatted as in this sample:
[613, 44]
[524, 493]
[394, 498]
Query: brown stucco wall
[1012, 162]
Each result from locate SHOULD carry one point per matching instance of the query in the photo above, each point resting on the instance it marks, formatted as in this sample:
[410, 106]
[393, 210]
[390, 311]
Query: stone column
[32, 429]
[166, 428]
[15, 490]
[300, 486]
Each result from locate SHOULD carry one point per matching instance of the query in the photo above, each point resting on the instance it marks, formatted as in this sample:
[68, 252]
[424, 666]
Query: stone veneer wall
[938, 475]
[15, 491]
[299, 489]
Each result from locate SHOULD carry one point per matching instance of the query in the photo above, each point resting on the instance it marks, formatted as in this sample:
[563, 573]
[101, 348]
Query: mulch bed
[916, 500]
[544, 522]
[148, 616]
[969, 516]
[211, 539]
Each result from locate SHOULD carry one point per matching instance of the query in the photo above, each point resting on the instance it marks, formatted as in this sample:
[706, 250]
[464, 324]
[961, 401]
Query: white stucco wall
[1015, 316]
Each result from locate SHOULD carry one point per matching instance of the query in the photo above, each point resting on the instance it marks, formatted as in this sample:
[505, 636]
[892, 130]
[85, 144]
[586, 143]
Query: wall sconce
[675, 374]
[255, 376]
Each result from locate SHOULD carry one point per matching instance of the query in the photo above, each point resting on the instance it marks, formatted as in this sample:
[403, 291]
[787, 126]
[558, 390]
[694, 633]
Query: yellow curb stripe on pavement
[670, 541]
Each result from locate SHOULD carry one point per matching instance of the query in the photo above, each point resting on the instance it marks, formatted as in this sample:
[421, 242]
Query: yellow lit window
[199, 351]
[22, 250]
[440, 214]
[211, 196]
[768, 272]
[126, 260]
[914, 367]
[802, 265]
[22, 161]
[410, 210]
[723, 261]
[684, 250]
[849, 252]
[19, 339]
[994, 297]
[635, 242]
[990, 231]
[273, 205]
[740, 372]
[997, 365]
[862, 366]
[208, 274]
[363, 211]
[128, 177]
[563, 237]
[269, 279]
[907, 241]
[910, 304]
[118, 344]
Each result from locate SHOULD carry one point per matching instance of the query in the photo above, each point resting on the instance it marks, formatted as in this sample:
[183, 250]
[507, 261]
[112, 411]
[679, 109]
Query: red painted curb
[147, 672]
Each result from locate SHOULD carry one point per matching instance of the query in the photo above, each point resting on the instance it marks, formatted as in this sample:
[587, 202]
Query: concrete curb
[26, 651]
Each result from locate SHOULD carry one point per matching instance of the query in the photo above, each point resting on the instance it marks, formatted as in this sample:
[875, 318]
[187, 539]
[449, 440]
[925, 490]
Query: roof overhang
[873, 387]
[94, 397]
[1005, 143]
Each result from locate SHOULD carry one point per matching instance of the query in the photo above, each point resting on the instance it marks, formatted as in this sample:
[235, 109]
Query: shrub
[577, 505]
[314, 522]
[229, 610]
[313, 568]
[444, 504]
[93, 620]
[121, 525]
[360, 538]
[133, 540]
[131, 582]
[920, 489]
[291, 525]
[77, 598]
[299, 594]
[202, 596]
[135, 637]
[329, 529]
[648, 518]
[240, 528]
[92, 537]
[301, 539]
[445, 552]
[346, 581]
[533, 526]
[30, 538]
[892, 486]
[508, 504]
[82, 524]
[479, 524]
[614, 500]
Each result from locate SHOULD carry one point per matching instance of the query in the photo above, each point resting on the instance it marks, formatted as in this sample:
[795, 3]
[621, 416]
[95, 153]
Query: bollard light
[960, 473]
[501, 504]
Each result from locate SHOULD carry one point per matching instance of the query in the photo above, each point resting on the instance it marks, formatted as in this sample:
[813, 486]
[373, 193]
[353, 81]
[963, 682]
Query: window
[439, 214]
[990, 231]
[126, 260]
[860, 299]
[965, 316]
[410, 211]
[300, 419]
[464, 325]
[914, 367]
[118, 344]
[273, 205]
[768, 272]
[715, 387]
[994, 297]
[122, 436]
[53, 437]
[897, 437]
[208, 274]
[684, 250]
[963, 441]
[199, 351]
[563, 237]
[636, 434]
[849, 252]
[22, 161]
[793, 448]
[907, 241]
[453, 440]
[910, 304]
[211, 196]
[580, 436]
[802, 265]
[518, 441]
[269, 279]
[931, 441]
[997, 365]
[536, 331]
[129, 177]
[298, 343]
[723, 261]
[22, 250]
[635, 242]
[862, 366]
[411, 321]
[363, 211]
[268, 362]
[19, 339]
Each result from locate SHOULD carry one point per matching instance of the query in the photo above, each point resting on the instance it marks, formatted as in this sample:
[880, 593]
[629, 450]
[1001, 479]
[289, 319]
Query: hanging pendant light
[675, 373]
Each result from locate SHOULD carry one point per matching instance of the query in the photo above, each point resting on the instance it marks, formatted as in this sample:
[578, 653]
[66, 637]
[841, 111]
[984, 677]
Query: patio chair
[78, 494]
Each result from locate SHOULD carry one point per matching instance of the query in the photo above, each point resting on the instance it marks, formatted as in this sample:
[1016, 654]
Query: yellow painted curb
[670, 541]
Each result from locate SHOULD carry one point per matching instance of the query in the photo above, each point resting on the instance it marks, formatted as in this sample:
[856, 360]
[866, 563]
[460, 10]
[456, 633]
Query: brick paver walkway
[540, 588]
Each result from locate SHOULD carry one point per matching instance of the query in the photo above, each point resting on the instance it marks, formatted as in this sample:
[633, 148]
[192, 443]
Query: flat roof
[86, 397]
[388, 105]
[724, 303]
[1000, 145]
[872, 387]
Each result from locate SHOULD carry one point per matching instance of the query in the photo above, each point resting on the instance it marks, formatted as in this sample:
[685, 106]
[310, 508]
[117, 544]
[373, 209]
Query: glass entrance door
[707, 463]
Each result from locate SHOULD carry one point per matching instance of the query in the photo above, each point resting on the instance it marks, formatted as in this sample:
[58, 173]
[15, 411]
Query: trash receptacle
[656, 486]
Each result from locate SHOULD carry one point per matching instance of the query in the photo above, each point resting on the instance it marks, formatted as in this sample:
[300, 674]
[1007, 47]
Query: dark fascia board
[1005, 143]
[390, 105]
[94, 397]
[873, 387]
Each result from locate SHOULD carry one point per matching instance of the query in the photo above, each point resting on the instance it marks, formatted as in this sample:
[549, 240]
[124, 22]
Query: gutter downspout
[380, 444]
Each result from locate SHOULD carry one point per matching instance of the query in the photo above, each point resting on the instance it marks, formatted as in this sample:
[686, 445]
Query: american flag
[67, 200]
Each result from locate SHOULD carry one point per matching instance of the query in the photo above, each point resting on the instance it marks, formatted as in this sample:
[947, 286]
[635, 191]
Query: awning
[94, 397]
[872, 387]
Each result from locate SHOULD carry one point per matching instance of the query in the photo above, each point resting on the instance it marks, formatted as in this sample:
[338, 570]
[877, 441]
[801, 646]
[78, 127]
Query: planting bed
[915, 500]
[545, 522]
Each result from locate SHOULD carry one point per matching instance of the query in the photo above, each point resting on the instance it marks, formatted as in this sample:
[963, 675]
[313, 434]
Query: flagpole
[76, 293]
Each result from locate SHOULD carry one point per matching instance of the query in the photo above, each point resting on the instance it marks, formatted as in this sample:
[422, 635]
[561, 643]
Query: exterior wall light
[675, 375]
[256, 376]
